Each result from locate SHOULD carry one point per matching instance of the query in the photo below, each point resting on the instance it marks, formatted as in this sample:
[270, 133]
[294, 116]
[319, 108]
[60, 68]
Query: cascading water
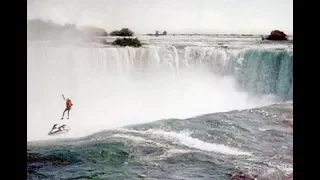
[261, 71]
[111, 86]
[267, 72]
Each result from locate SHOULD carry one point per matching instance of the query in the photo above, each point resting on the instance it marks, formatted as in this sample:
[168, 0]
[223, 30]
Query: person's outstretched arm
[63, 97]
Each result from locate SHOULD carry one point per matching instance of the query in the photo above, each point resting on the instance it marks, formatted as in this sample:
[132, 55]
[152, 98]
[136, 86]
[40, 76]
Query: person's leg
[68, 112]
[63, 113]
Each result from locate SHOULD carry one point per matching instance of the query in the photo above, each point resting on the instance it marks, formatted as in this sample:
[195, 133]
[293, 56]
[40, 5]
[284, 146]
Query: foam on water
[184, 138]
[134, 138]
[173, 152]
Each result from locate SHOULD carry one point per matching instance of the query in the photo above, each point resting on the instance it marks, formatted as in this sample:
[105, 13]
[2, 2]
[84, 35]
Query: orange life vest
[68, 103]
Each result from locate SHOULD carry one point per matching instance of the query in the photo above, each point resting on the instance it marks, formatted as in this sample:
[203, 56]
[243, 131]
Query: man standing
[68, 106]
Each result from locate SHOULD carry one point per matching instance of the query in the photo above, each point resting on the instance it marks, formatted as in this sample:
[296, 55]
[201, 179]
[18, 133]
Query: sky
[174, 16]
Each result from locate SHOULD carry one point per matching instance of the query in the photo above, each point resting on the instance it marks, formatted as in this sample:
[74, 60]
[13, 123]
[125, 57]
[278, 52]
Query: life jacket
[68, 103]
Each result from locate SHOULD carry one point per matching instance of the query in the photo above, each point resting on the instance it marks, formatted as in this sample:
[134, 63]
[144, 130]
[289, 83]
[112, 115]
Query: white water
[184, 138]
[112, 87]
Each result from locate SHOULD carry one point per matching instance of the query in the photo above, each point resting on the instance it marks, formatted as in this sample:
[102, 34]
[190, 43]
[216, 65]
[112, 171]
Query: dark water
[203, 147]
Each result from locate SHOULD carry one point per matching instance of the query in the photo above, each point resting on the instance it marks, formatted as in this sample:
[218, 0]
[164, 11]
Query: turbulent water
[180, 107]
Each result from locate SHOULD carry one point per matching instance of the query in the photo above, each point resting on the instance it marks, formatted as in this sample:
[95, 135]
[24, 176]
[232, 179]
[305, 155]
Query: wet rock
[240, 176]
[272, 175]
[289, 177]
